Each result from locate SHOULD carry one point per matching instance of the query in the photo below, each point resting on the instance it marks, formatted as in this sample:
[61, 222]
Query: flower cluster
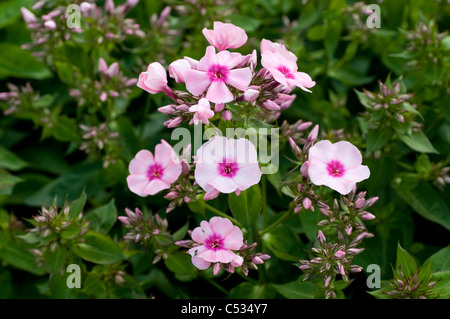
[53, 229]
[414, 286]
[97, 139]
[220, 243]
[330, 260]
[227, 77]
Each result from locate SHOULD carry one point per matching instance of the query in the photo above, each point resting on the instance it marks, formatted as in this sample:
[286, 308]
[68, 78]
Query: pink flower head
[269, 46]
[225, 36]
[227, 165]
[154, 80]
[217, 238]
[202, 112]
[337, 165]
[151, 174]
[214, 72]
[284, 70]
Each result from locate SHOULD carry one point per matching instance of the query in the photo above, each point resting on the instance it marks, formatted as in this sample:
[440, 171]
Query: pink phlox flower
[227, 165]
[269, 46]
[214, 72]
[337, 166]
[151, 174]
[283, 67]
[225, 36]
[154, 80]
[217, 239]
[177, 68]
[202, 112]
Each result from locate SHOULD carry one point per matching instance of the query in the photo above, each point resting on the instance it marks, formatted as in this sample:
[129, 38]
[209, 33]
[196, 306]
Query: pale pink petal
[234, 240]
[223, 184]
[138, 167]
[357, 174]
[196, 81]
[137, 184]
[279, 77]
[165, 155]
[209, 35]
[219, 255]
[145, 156]
[238, 261]
[340, 185]
[155, 186]
[200, 263]
[197, 250]
[323, 151]
[317, 172]
[177, 69]
[221, 226]
[240, 78]
[208, 60]
[245, 151]
[348, 154]
[247, 175]
[199, 235]
[218, 92]
[269, 60]
[229, 59]
[171, 172]
[204, 173]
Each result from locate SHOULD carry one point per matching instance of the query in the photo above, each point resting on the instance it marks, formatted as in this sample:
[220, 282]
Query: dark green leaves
[405, 261]
[98, 248]
[297, 290]
[247, 206]
[419, 142]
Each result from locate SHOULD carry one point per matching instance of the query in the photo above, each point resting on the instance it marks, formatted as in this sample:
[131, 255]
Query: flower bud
[250, 95]
[227, 115]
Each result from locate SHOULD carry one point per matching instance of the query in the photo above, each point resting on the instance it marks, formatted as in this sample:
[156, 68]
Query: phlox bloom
[214, 72]
[225, 36]
[151, 174]
[226, 165]
[154, 80]
[202, 112]
[337, 165]
[217, 238]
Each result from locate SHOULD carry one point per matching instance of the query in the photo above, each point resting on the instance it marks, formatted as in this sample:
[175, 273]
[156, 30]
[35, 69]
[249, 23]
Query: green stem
[264, 200]
[219, 213]
[215, 284]
[268, 229]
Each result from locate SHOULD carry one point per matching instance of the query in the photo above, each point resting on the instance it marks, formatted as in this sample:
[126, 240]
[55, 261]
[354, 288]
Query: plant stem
[264, 200]
[215, 284]
[219, 213]
[275, 224]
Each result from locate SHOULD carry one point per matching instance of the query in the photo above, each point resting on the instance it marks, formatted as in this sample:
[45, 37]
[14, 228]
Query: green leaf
[16, 62]
[98, 249]
[65, 129]
[103, 218]
[297, 290]
[442, 287]
[180, 263]
[76, 207]
[248, 290]
[17, 255]
[247, 23]
[283, 243]
[405, 261]
[440, 261]
[180, 233]
[10, 161]
[377, 138]
[10, 11]
[425, 201]
[419, 142]
[7, 182]
[59, 289]
[247, 206]
[29, 238]
[71, 231]
[55, 260]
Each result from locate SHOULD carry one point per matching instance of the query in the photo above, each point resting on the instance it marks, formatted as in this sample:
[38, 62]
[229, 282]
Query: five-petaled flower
[214, 72]
[217, 238]
[151, 174]
[227, 165]
[337, 165]
[202, 112]
[282, 64]
[225, 36]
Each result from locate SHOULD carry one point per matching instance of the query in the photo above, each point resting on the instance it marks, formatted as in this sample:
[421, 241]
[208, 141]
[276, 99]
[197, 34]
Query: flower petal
[221, 226]
[322, 151]
[196, 81]
[223, 184]
[239, 78]
[348, 154]
[234, 240]
[137, 184]
[200, 263]
[218, 92]
[247, 176]
[155, 186]
[165, 155]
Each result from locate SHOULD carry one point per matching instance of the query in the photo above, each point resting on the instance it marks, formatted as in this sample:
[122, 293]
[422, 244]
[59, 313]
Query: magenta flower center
[214, 242]
[228, 169]
[155, 171]
[335, 168]
[286, 72]
[217, 72]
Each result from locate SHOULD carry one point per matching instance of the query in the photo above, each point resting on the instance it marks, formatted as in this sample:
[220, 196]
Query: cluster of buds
[247, 258]
[407, 286]
[112, 25]
[295, 131]
[425, 44]
[390, 107]
[331, 260]
[443, 178]
[112, 83]
[357, 15]
[347, 215]
[97, 139]
[143, 229]
[18, 98]
[53, 228]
